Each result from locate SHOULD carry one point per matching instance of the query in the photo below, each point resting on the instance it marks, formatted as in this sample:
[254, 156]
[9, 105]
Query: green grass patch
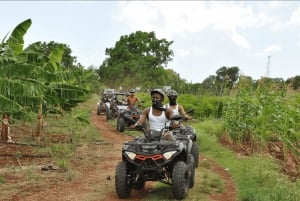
[258, 177]
[206, 183]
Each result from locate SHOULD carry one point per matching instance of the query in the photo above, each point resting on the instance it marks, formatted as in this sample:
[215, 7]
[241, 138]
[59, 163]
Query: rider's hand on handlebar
[187, 117]
[132, 126]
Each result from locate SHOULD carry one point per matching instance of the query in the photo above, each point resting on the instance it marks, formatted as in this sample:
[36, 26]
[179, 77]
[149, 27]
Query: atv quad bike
[179, 130]
[127, 117]
[117, 104]
[103, 104]
[110, 104]
[151, 158]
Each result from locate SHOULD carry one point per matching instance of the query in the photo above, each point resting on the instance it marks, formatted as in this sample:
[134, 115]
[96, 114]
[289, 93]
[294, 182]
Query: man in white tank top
[156, 114]
[177, 109]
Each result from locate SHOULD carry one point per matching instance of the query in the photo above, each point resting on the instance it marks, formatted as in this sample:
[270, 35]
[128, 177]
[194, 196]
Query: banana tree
[9, 51]
[32, 82]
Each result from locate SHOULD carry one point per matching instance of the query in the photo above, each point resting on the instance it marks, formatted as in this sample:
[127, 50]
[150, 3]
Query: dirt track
[91, 177]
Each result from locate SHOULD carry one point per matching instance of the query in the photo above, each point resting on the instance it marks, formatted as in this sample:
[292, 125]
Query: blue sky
[207, 34]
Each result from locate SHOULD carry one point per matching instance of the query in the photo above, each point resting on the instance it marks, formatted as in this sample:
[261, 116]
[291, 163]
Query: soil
[91, 174]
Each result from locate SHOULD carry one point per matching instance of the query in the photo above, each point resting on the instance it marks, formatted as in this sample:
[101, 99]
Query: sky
[262, 38]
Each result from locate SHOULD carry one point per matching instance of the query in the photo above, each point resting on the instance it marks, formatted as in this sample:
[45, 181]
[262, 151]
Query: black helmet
[161, 92]
[172, 92]
[132, 91]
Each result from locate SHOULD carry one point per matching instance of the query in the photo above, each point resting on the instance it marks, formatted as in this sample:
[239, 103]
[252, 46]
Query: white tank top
[157, 122]
[175, 110]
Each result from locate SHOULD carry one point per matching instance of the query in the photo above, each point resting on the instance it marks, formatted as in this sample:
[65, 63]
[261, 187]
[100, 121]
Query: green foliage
[295, 82]
[16, 41]
[226, 77]
[135, 57]
[263, 182]
[204, 106]
[262, 115]
[35, 76]
[258, 178]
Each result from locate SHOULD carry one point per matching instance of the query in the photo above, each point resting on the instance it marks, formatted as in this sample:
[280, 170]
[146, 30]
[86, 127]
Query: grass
[258, 177]
[206, 183]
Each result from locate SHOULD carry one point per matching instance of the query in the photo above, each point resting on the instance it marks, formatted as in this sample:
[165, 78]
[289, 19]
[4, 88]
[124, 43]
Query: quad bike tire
[139, 184]
[180, 180]
[98, 110]
[121, 124]
[191, 166]
[195, 153]
[122, 183]
[108, 113]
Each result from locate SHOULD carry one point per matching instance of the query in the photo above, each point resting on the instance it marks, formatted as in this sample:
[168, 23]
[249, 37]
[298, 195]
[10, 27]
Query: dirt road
[91, 177]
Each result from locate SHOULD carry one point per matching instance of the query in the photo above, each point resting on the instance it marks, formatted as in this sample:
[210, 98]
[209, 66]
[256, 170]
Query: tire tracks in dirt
[117, 138]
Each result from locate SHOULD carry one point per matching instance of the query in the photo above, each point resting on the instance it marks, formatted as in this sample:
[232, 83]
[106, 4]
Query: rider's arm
[169, 113]
[182, 112]
[143, 117]
[138, 100]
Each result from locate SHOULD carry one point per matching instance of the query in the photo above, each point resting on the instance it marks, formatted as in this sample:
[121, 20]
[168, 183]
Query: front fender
[107, 104]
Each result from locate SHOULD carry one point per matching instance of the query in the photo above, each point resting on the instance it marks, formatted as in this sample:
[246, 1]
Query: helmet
[161, 92]
[172, 92]
[132, 91]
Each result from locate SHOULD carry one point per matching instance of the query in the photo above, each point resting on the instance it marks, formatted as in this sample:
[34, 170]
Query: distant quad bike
[110, 103]
[151, 158]
[117, 104]
[127, 117]
[103, 104]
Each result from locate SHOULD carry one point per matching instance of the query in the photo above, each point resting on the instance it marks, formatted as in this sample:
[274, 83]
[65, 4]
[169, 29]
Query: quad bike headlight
[131, 155]
[169, 154]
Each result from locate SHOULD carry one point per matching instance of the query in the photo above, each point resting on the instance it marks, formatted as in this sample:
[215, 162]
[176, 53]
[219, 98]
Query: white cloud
[295, 17]
[218, 27]
[268, 51]
[179, 18]
[183, 52]
[298, 42]
[240, 40]
[271, 49]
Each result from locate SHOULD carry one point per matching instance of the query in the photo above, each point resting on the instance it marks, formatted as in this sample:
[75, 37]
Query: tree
[209, 85]
[135, 57]
[295, 82]
[226, 77]
[34, 82]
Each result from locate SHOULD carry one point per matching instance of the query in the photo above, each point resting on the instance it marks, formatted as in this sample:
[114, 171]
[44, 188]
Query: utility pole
[268, 67]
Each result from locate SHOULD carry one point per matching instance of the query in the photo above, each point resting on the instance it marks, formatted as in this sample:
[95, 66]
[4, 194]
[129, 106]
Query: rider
[177, 108]
[132, 98]
[157, 115]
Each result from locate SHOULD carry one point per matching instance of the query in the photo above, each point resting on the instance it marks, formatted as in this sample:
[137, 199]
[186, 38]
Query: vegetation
[33, 82]
[257, 116]
[258, 177]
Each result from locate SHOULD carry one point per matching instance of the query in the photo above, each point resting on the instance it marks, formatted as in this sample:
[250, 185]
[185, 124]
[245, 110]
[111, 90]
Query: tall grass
[255, 117]
[258, 177]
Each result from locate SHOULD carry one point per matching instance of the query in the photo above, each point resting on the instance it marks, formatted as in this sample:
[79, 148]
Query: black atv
[151, 158]
[180, 130]
[127, 117]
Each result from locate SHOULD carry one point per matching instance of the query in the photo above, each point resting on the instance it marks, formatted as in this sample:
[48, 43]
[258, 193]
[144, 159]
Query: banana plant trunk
[39, 123]
[4, 132]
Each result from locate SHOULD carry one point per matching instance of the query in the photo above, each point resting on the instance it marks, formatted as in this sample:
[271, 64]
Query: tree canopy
[135, 58]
